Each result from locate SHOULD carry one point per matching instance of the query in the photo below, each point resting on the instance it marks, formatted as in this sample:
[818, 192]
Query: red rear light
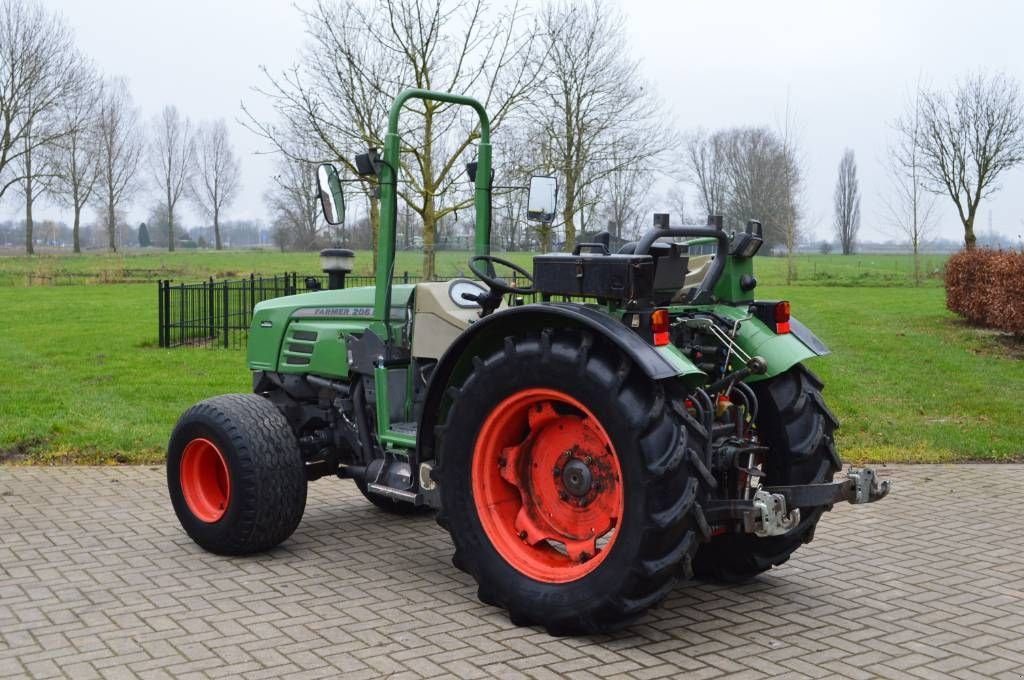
[782, 317]
[659, 327]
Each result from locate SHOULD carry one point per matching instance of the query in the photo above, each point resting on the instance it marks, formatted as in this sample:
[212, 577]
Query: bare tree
[969, 137]
[217, 174]
[362, 55]
[293, 203]
[172, 160]
[120, 152]
[677, 203]
[515, 162]
[910, 207]
[591, 98]
[846, 202]
[625, 191]
[750, 173]
[74, 158]
[763, 177]
[39, 69]
[337, 99]
[704, 158]
[791, 211]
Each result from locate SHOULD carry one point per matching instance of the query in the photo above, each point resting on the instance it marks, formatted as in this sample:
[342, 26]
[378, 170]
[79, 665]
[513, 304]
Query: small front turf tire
[795, 423]
[571, 483]
[235, 475]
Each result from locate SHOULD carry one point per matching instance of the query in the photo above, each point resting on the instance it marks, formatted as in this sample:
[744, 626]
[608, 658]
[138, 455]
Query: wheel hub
[577, 478]
[205, 480]
[548, 485]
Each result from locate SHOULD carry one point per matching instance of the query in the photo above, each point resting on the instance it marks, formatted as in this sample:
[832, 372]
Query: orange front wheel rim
[205, 481]
[547, 485]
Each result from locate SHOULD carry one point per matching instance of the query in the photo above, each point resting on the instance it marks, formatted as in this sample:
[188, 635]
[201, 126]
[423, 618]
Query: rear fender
[780, 352]
[488, 334]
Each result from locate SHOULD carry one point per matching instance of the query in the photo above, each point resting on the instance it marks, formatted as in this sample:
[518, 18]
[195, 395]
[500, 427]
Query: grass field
[150, 265]
[83, 382]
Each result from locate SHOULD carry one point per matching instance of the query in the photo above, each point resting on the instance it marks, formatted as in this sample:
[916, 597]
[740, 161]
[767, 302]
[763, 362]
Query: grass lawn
[84, 383]
[188, 266]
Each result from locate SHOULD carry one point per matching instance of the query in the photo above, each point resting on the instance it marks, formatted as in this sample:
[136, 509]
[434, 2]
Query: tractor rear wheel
[570, 485]
[795, 423]
[235, 475]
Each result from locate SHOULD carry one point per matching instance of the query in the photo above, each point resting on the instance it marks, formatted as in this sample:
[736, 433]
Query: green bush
[986, 287]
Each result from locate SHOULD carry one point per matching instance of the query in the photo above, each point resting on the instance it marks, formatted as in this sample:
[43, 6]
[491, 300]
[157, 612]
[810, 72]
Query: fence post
[167, 311]
[160, 312]
[209, 309]
[225, 284]
[181, 313]
[405, 277]
[247, 319]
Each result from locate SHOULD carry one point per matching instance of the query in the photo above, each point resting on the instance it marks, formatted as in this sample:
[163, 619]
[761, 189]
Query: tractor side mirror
[540, 206]
[332, 200]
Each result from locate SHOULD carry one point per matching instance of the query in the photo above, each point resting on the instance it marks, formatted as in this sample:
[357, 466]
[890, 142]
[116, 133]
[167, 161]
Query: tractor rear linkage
[766, 513]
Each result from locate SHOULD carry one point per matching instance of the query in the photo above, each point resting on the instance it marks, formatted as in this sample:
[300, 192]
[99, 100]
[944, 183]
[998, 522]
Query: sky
[843, 70]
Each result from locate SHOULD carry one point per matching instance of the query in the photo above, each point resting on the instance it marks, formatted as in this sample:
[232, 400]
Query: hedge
[986, 287]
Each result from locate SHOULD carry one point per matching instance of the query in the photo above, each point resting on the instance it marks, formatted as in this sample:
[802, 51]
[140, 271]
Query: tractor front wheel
[235, 475]
[569, 483]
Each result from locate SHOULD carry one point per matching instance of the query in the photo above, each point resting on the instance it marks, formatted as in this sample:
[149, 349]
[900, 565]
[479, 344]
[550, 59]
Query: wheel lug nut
[522, 535]
[563, 495]
[557, 471]
[584, 557]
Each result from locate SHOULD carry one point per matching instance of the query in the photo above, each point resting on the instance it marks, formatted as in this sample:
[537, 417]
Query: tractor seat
[670, 267]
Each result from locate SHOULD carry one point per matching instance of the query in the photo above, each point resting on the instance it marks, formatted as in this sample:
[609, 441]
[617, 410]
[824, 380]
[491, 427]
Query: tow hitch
[768, 513]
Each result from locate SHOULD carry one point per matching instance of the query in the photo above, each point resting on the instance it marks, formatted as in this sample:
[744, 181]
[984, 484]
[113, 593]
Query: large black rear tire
[235, 475]
[662, 483]
[799, 428]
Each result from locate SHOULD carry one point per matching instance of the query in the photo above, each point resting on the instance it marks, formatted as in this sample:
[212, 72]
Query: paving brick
[105, 584]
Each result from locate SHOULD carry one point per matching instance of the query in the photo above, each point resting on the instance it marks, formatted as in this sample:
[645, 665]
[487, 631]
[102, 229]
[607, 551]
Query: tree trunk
[568, 213]
[216, 227]
[375, 231]
[917, 264]
[545, 237]
[970, 240]
[111, 227]
[76, 228]
[429, 232]
[29, 245]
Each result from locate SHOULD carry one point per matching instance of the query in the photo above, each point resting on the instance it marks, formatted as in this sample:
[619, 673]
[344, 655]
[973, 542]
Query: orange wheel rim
[205, 482]
[547, 485]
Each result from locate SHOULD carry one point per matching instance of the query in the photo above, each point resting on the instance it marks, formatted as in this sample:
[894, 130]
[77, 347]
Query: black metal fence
[218, 313]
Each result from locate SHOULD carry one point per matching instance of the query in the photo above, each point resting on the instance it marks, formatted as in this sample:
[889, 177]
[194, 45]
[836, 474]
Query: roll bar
[389, 193]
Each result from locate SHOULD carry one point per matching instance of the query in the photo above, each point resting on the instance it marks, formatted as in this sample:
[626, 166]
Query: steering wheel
[500, 286]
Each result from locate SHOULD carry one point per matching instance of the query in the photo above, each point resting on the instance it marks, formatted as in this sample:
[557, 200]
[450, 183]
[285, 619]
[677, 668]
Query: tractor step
[404, 428]
[393, 493]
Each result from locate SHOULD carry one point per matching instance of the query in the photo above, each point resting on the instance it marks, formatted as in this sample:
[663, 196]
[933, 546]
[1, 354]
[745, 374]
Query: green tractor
[584, 455]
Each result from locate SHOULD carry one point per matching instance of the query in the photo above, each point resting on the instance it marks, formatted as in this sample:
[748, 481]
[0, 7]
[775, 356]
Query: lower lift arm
[766, 513]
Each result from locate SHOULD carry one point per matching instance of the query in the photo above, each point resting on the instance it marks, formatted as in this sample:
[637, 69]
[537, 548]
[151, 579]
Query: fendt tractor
[589, 434]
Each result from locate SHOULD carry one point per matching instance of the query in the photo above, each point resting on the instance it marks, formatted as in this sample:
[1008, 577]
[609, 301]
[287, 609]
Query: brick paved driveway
[97, 579]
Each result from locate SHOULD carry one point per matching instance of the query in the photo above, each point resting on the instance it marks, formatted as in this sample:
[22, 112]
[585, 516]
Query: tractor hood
[322, 314]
